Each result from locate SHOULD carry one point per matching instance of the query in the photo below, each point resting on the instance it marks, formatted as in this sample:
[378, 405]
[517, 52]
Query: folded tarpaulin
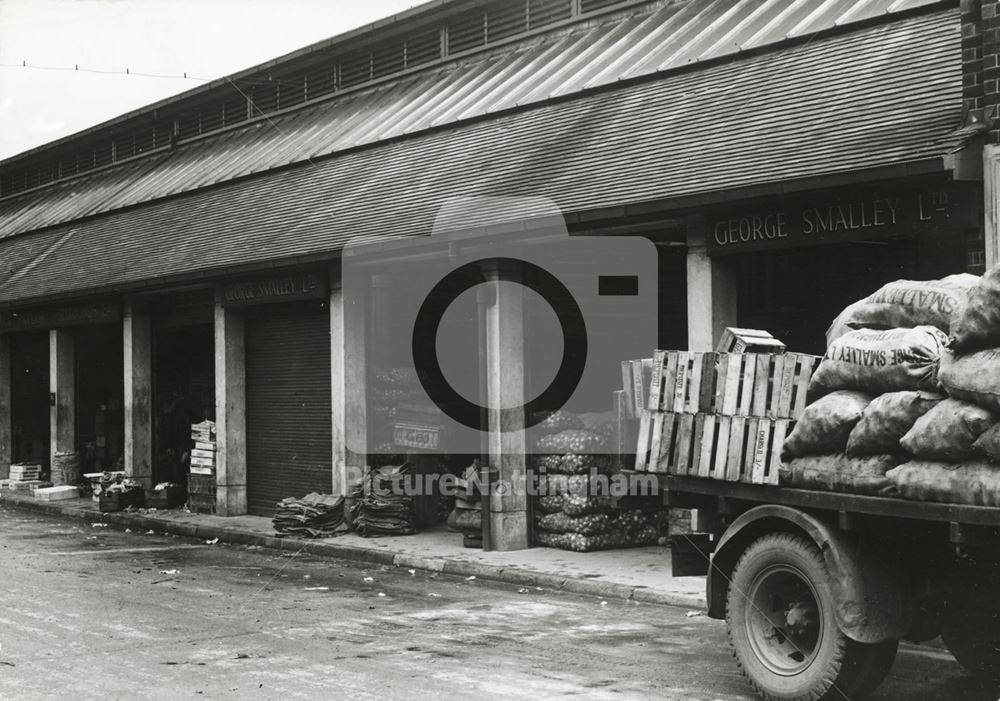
[312, 516]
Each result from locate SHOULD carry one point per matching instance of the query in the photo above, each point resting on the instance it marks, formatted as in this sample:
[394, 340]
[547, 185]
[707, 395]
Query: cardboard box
[57, 493]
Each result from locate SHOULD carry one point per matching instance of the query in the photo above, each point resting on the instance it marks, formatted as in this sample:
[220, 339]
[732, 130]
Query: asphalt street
[90, 612]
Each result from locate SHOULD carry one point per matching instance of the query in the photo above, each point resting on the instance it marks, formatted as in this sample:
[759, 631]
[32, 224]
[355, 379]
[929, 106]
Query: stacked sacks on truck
[907, 304]
[570, 513]
[956, 445]
[878, 378]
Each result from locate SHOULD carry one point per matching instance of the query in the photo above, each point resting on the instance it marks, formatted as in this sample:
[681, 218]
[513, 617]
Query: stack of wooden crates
[724, 414]
[201, 481]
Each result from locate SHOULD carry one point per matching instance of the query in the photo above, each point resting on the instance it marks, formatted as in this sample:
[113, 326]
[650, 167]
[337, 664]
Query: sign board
[271, 289]
[831, 216]
[59, 317]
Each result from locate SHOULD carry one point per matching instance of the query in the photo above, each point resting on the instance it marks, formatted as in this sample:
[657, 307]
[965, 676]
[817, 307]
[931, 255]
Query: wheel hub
[783, 623]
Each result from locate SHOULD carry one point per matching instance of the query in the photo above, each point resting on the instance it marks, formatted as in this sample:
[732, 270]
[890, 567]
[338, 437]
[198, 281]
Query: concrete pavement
[639, 574]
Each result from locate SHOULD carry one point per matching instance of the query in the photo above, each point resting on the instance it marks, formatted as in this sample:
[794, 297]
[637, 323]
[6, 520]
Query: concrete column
[711, 291]
[348, 372]
[230, 414]
[138, 364]
[6, 425]
[991, 190]
[62, 386]
[505, 389]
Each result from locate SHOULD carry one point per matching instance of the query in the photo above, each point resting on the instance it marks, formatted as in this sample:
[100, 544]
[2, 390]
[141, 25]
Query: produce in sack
[465, 520]
[579, 441]
[838, 327]
[974, 377]
[948, 431]
[572, 464]
[881, 361]
[589, 525]
[556, 485]
[576, 505]
[839, 473]
[978, 324]
[551, 504]
[605, 541]
[972, 483]
[988, 444]
[886, 420]
[910, 303]
[825, 425]
[557, 422]
[633, 521]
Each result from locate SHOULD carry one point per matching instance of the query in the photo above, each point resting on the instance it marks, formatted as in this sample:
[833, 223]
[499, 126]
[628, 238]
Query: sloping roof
[654, 39]
[884, 95]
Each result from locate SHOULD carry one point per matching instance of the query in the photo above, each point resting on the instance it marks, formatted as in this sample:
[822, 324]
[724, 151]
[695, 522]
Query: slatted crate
[732, 448]
[731, 384]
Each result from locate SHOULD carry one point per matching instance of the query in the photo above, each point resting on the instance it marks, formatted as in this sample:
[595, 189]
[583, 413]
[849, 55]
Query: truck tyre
[783, 629]
[972, 635]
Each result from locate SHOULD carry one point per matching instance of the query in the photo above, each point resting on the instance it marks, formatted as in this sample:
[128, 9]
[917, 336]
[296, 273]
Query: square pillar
[62, 387]
[230, 413]
[348, 373]
[991, 192]
[6, 425]
[138, 362]
[712, 293]
[505, 388]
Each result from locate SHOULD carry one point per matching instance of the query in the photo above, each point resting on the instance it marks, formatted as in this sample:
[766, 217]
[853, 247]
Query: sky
[204, 38]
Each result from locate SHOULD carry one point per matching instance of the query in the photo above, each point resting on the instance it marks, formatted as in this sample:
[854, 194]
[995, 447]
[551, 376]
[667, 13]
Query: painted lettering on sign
[807, 222]
[58, 317]
[263, 290]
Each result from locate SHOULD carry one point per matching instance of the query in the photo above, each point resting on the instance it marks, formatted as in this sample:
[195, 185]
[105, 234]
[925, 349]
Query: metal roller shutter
[288, 411]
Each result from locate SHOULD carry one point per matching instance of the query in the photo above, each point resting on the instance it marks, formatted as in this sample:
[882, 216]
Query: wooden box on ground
[201, 494]
[168, 498]
[733, 448]
[731, 384]
[119, 501]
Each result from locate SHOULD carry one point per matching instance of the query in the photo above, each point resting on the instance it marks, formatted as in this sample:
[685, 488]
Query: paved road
[89, 612]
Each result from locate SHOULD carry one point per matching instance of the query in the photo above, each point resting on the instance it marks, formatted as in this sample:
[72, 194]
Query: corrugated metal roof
[661, 37]
[884, 95]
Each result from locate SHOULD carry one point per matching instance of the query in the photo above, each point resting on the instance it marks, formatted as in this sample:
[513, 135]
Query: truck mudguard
[867, 586]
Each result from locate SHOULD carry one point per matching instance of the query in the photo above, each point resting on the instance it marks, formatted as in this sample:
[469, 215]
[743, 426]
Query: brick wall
[981, 61]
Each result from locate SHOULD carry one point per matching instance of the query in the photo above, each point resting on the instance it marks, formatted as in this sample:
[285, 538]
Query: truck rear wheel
[782, 626]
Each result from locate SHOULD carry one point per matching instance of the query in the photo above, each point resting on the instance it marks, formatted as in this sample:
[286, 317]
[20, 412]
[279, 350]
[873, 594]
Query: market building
[184, 262]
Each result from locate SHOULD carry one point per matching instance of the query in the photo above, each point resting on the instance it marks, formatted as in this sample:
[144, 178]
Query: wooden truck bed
[680, 490]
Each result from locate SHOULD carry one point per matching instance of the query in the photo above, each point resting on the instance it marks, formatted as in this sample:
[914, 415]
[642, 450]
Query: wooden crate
[748, 341]
[731, 384]
[732, 448]
[636, 376]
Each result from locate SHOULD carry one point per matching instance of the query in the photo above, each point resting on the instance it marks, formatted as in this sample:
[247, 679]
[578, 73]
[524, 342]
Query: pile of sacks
[568, 514]
[312, 516]
[908, 396]
[381, 505]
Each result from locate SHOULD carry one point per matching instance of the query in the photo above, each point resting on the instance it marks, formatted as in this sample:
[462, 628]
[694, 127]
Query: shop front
[288, 384]
[65, 389]
[796, 261]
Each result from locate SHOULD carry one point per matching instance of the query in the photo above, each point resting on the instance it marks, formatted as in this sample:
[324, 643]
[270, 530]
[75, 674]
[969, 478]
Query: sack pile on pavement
[569, 450]
[312, 516]
[629, 529]
[381, 506]
[467, 516]
[932, 433]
